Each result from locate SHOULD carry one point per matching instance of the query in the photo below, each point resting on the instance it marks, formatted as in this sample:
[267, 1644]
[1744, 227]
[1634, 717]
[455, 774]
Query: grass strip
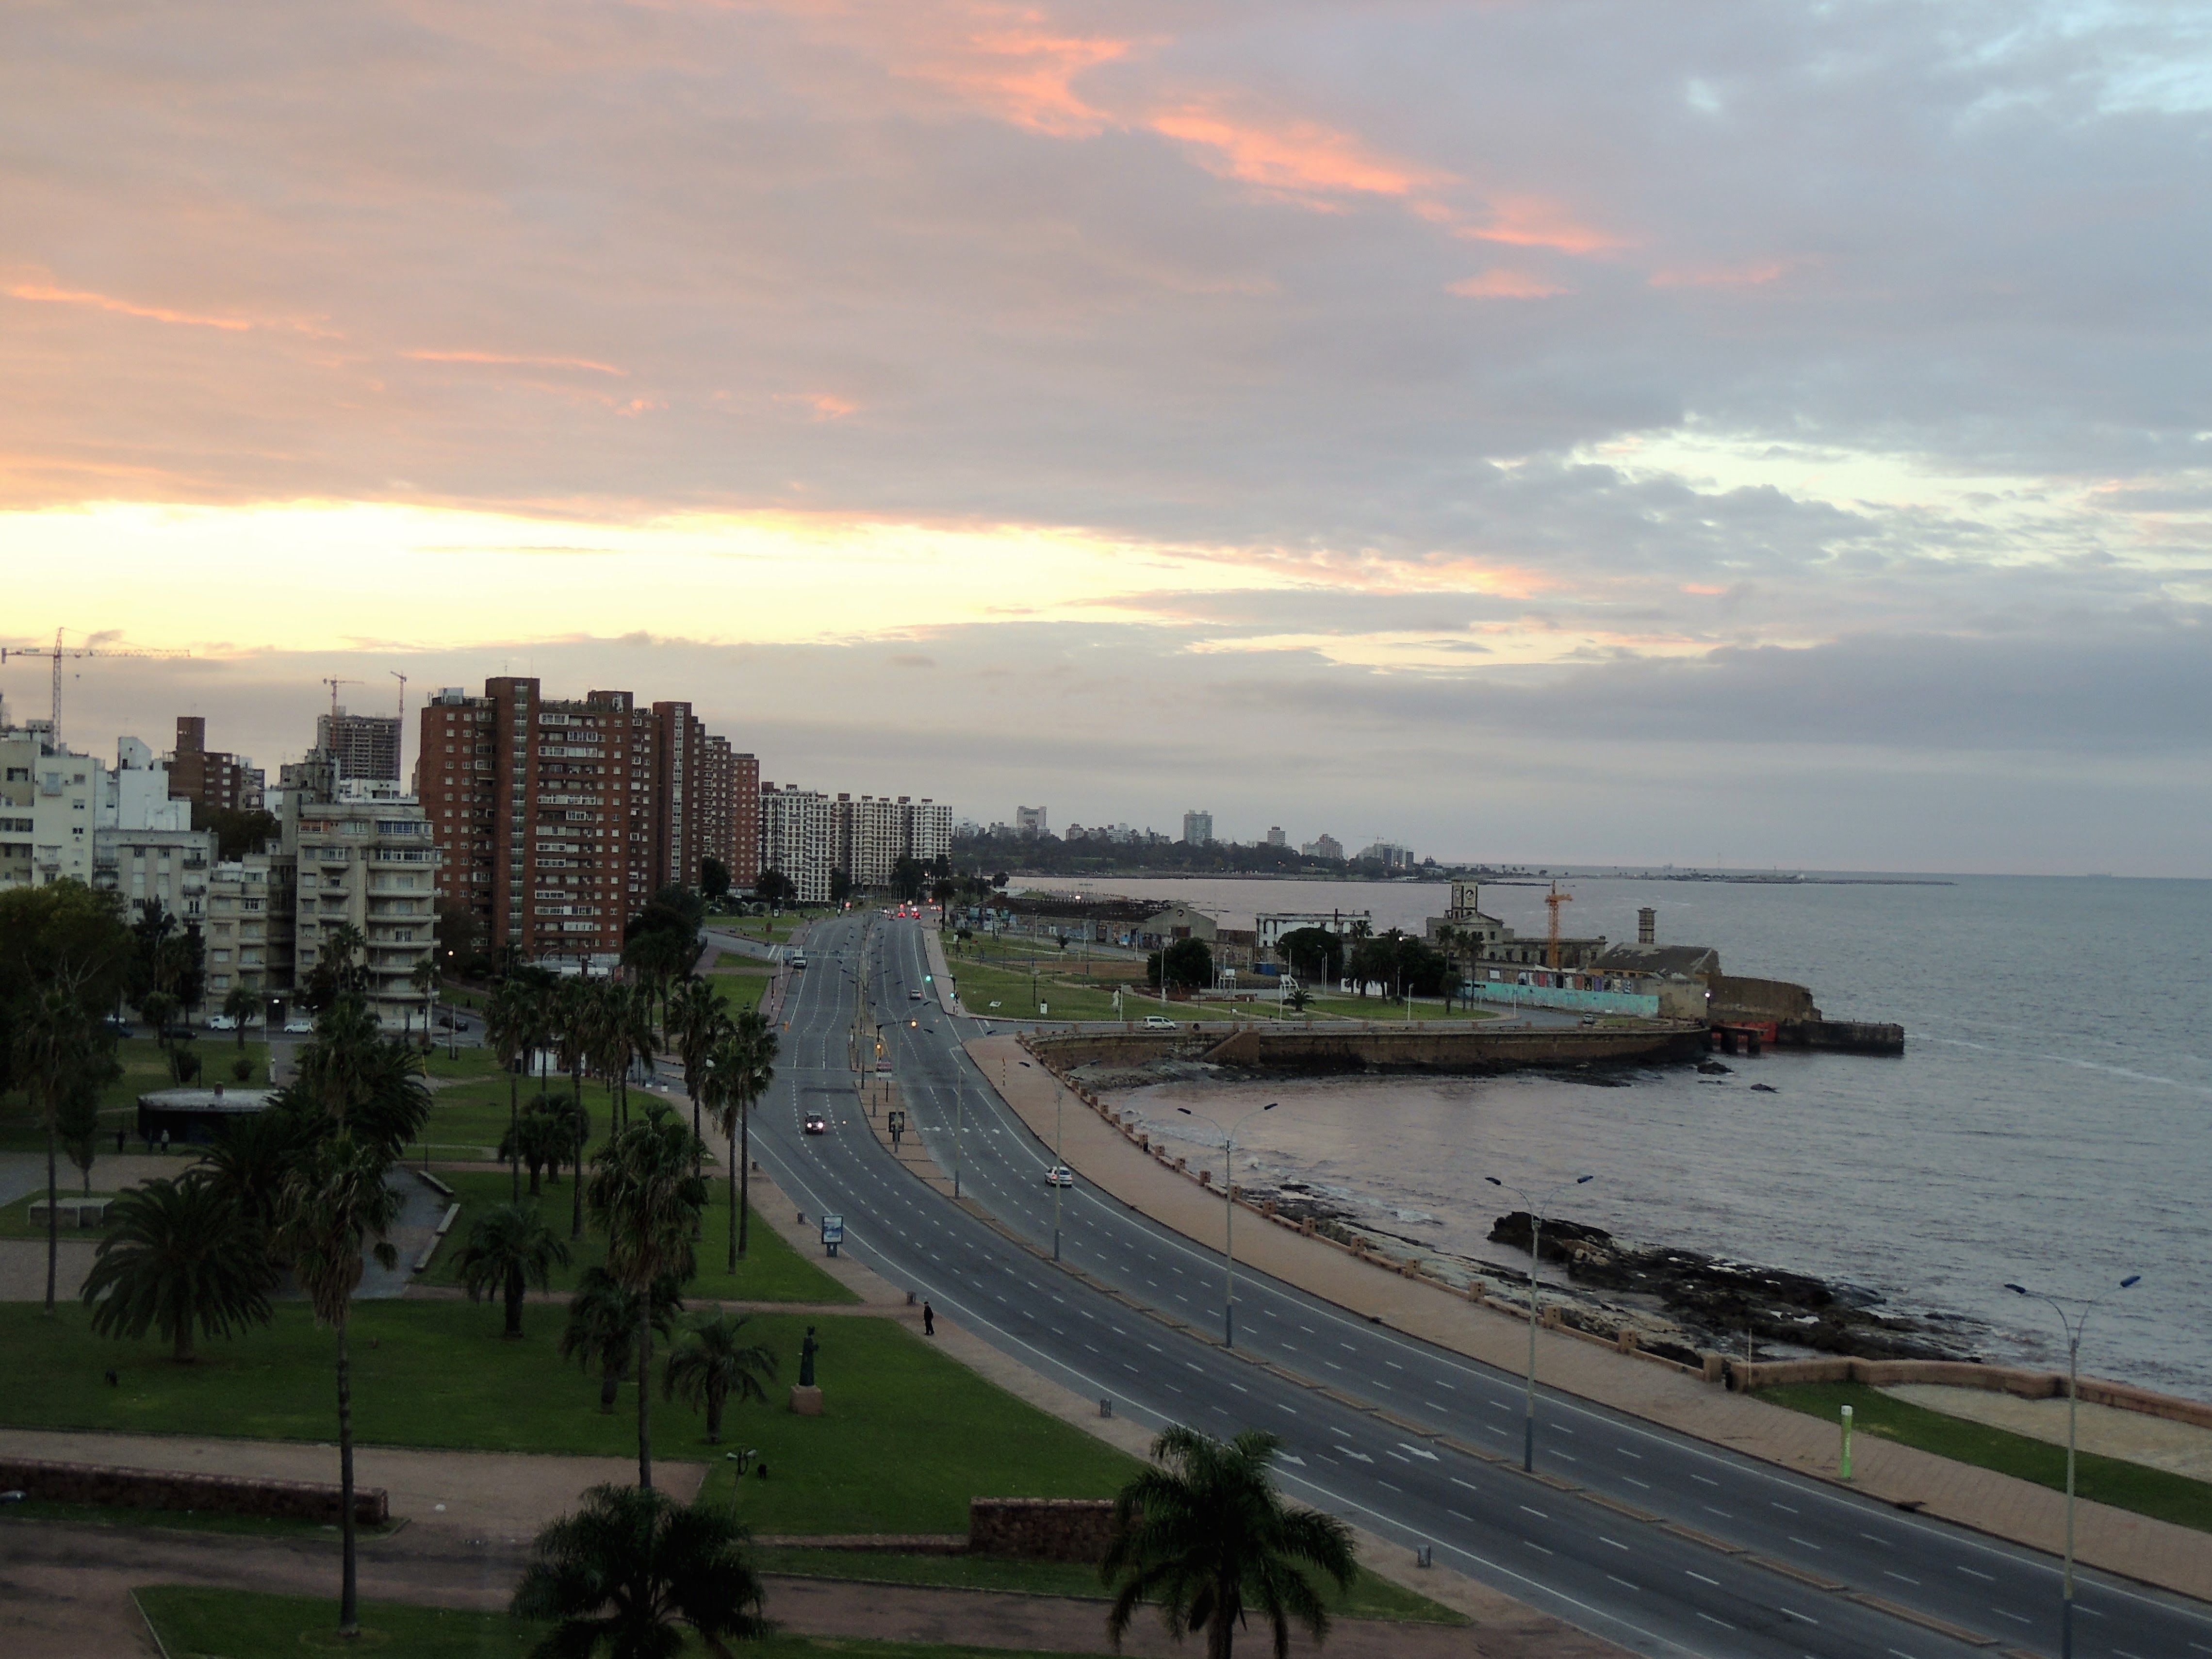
[772, 1270]
[908, 1438]
[196, 1623]
[1369, 1597]
[36, 1510]
[2133, 1487]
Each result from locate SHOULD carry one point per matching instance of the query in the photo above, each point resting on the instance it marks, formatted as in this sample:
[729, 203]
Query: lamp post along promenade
[1535, 1207]
[1229, 1213]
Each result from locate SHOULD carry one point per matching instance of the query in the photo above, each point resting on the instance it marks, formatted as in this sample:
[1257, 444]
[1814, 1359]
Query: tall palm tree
[569, 1019]
[254, 1154]
[630, 1567]
[642, 1043]
[601, 1334]
[244, 1005]
[742, 1069]
[697, 1019]
[544, 1136]
[356, 1079]
[425, 977]
[1205, 1532]
[711, 1361]
[179, 1256]
[57, 1048]
[510, 1249]
[646, 1197]
[507, 1027]
[336, 1208]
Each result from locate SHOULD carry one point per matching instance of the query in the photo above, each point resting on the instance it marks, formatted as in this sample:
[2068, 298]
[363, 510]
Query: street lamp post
[1536, 1208]
[2073, 1324]
[1229, 1215]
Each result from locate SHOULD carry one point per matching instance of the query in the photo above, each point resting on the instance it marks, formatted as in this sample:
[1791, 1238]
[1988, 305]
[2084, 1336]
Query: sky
[1753, 433]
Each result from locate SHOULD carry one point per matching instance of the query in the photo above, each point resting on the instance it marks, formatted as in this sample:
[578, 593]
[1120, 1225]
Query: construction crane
[334, 685]
[58, 653]
[1552, 900]
[399, 743]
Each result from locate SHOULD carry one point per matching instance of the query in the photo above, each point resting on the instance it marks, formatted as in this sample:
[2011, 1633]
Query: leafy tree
[335, 1209]
[623, 1573]
[510, 1249]
[78, 1120]
[1312, 952]
[237, 831]
[63, 933]
[711, 1361]
[776, 888]
[646, 1197]
[244, 1004]
[1205, 1534]
[714, 879]
[1188, 964]
[601, 1333]
[179, 1256]
[841, 886]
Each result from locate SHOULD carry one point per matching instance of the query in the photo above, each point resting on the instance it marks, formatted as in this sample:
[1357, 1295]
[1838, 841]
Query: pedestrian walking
[165, 1143]
[928, 1320]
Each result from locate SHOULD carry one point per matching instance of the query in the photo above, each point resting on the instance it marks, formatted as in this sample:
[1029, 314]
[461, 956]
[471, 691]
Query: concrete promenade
[2151, 1552]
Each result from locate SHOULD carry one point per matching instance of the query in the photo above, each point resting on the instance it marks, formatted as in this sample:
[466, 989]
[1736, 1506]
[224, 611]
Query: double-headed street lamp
[2073, 1323]
[1535, 1206]
[1229, 1213]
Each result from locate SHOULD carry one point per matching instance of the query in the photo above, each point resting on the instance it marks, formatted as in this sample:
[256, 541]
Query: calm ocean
[2049, 1122]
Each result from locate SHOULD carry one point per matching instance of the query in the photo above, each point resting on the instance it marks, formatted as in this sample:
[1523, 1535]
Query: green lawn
[469, 1119]
[979, 987]
[910, 1436]
[144, 1071]
[771, 1272]
[740, 992]
[216, 1623]
[2124, 1486]
[1369, 1597]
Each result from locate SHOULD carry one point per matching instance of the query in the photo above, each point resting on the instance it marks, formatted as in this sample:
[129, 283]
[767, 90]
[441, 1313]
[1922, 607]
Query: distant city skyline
[1717, 434]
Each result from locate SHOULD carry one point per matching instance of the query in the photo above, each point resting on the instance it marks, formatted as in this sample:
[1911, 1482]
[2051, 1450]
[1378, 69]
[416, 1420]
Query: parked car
[817, 1124]
[220, 1023]
[914, 996]
[1059, 1175]
[300, 1025]
[1159, 1023]
[117, 1025]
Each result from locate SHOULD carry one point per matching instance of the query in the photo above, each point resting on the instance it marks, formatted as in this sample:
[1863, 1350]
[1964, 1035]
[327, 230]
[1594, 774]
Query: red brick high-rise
[558, 819]
[211, 779]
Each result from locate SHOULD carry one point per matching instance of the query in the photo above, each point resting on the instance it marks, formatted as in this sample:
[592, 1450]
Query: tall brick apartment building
[210, 778]
[558, 818]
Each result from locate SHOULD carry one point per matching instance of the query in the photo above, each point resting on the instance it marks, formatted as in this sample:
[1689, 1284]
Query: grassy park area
[222, 1624]
[740, 988]
[1369, 1597]
[908, 1438]
[2124, 1486]
[771, 1272]
[144, 1069]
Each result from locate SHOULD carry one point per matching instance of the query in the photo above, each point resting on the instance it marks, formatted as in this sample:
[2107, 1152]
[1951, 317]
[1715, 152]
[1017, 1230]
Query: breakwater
[1331, 1049]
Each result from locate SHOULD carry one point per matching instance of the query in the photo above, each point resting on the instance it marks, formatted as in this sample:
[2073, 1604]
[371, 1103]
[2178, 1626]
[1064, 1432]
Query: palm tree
[601, 1334]
[544, 1136]
[179, 1256]
[713, 1361]
[244, 1005]
[697, 1020]
[637, 1014]
[630, 1567]
[1205, 1532]
[252, 1157]
[56, 1048]
[507, 1027]
[337, 1206]
[510, 1248]
[425, 977]
[739, 1073]
[570, 1018]
[357, 1080]
[646, 1197]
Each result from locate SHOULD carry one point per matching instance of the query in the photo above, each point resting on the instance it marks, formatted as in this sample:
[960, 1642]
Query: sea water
[2049, 1122]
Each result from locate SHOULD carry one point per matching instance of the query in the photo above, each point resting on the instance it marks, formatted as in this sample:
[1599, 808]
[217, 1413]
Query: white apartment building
[250, 906]
[1197, 828]
[926, 830]
[367, 859]
[795, 839]
[167, 868]
[870, 838]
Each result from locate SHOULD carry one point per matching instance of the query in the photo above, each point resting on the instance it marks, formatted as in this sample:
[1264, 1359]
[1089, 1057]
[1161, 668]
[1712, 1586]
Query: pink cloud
[1539, 221]
[1300, 156]
[826, 406]
[1746, 275]
[501, 358]
[47, 294]
[1504, 285]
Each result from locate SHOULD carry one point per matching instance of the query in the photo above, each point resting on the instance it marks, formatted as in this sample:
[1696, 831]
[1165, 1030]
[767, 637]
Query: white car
[220, 1023]
[1159, 1023]
[1059, 1175]
[300, 1025]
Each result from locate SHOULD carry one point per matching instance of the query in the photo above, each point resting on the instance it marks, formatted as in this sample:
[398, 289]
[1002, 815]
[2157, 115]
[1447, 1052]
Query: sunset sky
[1748, 433]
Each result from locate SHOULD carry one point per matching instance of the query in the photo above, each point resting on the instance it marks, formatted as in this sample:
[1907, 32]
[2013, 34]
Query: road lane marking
[1702, 1579]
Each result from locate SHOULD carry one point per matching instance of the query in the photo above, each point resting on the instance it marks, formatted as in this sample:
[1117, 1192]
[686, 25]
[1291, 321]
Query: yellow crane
[57, 653]
[1552, 900]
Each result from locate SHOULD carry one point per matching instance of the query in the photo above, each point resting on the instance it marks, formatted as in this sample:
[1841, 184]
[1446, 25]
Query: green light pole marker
[1847, 1442]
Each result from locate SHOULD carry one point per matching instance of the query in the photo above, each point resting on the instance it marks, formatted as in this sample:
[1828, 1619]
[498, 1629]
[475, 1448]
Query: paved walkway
[2153, 1551]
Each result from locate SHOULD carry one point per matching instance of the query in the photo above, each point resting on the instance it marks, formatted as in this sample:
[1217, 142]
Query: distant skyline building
[1032, 820]
[1323, 846]
[362, 746]
[1389, 854]
[796, 840]
[1276, 837]
[1197, 828]
[212, 779]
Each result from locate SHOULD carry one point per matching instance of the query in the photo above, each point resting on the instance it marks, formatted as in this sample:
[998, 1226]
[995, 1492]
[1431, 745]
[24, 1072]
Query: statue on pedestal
[807, 1350]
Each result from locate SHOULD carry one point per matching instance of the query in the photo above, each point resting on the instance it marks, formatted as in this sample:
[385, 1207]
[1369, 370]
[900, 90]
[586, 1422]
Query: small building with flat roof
[196, 1116]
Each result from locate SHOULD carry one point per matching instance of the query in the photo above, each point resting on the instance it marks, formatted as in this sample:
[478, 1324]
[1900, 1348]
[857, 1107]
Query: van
[1159, 1023]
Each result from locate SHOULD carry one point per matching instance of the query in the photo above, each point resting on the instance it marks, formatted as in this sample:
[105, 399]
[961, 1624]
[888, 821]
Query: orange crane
[58, 653]
[1552, 900]
[334, 685]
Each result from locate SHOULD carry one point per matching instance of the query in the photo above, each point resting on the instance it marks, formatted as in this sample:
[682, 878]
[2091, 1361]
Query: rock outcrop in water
[1725, 1299]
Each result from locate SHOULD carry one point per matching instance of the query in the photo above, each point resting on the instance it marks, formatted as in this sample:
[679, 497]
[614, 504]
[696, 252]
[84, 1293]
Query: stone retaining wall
[164, 1489]
[1041, 1529]
[1963, 1374]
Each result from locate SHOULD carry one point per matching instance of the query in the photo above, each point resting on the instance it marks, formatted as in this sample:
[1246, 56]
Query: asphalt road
[1648, 1584]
